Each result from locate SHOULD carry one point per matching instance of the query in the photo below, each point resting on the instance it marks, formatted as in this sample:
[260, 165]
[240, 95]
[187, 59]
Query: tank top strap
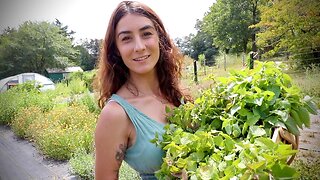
[136, 116]
[128, 108]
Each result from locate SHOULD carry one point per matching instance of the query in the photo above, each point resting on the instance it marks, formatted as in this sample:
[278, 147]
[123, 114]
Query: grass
[308, 81]
[205, 74]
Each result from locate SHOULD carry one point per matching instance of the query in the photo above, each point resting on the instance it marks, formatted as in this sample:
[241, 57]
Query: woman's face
[138, 43]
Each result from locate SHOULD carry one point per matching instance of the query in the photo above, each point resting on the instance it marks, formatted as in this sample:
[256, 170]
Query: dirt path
[309, 143]
[19, 160]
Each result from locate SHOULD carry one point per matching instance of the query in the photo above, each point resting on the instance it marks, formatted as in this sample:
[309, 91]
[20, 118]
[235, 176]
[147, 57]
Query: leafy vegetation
[82, 164]
[226, 132]
[20, 97]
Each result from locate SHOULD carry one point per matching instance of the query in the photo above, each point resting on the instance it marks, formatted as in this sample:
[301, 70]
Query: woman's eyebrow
[123, 32]
[146, 27]
[141, 29]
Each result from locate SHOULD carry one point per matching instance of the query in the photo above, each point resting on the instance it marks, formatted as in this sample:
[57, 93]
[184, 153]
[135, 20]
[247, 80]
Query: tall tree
[202, 43]
[33, 47]
[291, 27]
[228, 23]
[195, 45]
[64, 29]
[184, 44]
[93, 47]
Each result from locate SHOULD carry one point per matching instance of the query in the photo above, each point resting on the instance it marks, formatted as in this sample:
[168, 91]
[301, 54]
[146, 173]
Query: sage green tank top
[143, 156]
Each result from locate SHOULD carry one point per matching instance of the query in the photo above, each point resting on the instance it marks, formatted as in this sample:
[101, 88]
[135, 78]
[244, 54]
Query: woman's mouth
[141, 58]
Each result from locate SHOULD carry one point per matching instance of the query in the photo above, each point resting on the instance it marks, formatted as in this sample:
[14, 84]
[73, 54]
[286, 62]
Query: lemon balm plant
[226, 132]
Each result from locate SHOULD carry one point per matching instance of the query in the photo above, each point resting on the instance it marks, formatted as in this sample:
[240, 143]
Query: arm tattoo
[120, 154]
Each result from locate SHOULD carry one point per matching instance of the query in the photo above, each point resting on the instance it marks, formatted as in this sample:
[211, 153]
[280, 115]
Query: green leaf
[283, 171]
[243, 112]
[218, 140]
[258, 101]
[275, 89]
[256, 165]
[197, 156]
[265, 142]
[292, 126]
[304, 116]
[207, 173]
[269, 95]
[311, 107]
[296, 118]
[252, 119]
[236, 131]
[181, 163]
[185, 140]
[272, 120]
[229, 143]
[234, 109]
[257, 131]
[191, 164]
[282, 114]
[174, 169]
[228, 129]
[229, 157]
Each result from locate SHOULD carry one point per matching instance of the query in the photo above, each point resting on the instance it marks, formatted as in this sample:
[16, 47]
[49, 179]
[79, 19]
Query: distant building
[56, 74]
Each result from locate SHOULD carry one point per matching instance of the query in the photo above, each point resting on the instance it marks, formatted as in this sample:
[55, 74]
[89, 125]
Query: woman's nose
[139, 44]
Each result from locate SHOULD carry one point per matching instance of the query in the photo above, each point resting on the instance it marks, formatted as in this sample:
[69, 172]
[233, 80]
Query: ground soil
[309, 142]
[20, 160]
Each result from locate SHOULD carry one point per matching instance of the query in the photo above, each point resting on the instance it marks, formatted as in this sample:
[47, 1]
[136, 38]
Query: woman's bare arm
[111, 137]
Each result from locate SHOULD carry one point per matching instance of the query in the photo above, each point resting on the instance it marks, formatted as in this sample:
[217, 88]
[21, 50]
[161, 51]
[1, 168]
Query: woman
[138, 75]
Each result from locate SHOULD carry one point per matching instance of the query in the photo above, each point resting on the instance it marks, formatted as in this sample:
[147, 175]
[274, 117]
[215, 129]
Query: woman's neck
[143, 85]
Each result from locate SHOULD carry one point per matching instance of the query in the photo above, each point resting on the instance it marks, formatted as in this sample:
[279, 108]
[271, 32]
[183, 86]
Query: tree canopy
[33, 47]
[89, 53]
[228, 23]
[290, 26]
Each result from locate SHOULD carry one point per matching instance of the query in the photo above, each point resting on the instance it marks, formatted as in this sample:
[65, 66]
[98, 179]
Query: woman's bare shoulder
[113, 109]
[112, 116]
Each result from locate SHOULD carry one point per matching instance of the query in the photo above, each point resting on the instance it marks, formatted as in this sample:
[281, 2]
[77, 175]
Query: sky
[89, 18]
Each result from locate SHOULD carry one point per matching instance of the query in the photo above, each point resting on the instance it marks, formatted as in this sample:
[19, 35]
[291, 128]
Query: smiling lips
[141, 58]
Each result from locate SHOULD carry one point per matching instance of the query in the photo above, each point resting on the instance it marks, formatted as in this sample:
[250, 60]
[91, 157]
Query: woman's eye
[126, 38]
[146, 34]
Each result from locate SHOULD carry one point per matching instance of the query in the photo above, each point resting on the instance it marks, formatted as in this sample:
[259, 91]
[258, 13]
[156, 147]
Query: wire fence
[296, 62]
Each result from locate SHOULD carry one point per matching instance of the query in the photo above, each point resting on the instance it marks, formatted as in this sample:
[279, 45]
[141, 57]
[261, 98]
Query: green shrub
[86, 77]
[89, 101]
[126, 172]
[77, 86]
[82, 164]
[24, 118]
[20, 97]
[64, 130]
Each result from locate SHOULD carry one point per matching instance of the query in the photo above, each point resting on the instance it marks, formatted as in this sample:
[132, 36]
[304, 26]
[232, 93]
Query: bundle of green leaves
[225, 133]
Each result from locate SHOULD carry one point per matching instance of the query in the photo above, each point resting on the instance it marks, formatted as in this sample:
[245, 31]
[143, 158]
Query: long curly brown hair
[113, 73]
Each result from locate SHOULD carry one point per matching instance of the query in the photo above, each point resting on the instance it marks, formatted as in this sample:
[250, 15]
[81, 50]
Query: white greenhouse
[8, 82]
